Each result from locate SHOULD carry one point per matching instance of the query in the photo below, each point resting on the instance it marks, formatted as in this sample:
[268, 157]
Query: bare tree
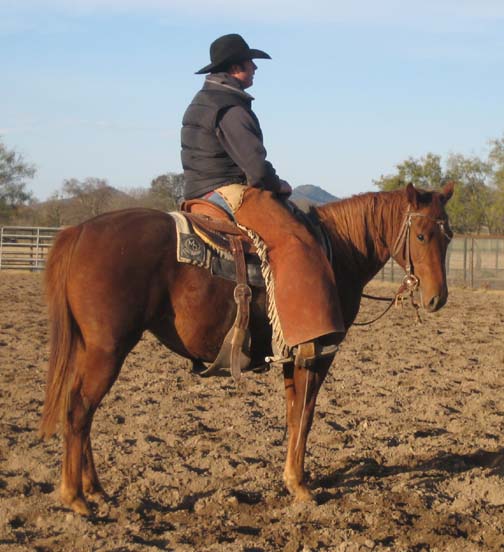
[168, 190]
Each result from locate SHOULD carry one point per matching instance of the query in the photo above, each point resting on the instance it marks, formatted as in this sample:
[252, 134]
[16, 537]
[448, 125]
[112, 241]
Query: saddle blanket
[196, 248]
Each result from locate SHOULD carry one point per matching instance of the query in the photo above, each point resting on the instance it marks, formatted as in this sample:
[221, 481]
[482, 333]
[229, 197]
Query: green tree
[469, 207]
[496, 209]
[13, 174]
[496, 158]
[474, 205]
[425, 172]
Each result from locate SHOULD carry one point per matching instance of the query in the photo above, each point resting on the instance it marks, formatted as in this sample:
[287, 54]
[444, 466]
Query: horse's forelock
[425, 197]
[435, 201]
[432, 200]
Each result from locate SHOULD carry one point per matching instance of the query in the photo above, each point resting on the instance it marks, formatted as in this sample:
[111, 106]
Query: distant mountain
[308, 195]
[98, 198]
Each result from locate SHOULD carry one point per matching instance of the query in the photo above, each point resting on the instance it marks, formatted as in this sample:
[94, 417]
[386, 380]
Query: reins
[406, 289]
[410, 282]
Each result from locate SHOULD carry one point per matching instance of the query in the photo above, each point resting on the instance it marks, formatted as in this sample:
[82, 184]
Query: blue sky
[98, 87]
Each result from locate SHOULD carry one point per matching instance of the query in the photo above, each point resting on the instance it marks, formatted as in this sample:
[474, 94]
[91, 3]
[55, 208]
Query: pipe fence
[25, 247]
[471, 261]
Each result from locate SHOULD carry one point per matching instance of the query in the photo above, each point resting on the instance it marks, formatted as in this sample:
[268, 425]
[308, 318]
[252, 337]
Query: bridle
[410, 282]
[403, 239]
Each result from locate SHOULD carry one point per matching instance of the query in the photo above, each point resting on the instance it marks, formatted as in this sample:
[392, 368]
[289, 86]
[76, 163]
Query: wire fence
[471, 261]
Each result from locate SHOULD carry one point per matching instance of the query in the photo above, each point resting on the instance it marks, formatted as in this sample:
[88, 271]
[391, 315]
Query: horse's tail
[62, 331]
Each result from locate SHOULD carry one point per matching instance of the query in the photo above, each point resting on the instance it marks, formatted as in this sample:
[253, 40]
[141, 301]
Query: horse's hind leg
[78, 418]
[96, 371]
[301, 390]
[90, 482]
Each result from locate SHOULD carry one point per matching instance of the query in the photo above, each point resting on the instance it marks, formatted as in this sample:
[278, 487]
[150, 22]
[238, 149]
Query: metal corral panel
[471, 261]
[25, 247]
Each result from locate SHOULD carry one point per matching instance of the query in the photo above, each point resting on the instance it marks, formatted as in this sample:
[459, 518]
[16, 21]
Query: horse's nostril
[433, 303]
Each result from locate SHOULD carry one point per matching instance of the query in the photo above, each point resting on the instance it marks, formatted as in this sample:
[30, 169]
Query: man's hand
[285, 189]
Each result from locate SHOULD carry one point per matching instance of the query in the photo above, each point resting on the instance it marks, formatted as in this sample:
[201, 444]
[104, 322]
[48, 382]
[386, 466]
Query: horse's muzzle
[436, 303]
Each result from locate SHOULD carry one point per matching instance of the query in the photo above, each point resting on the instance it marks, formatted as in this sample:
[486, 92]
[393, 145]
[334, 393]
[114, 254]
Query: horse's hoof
[77, 504]
[300, 492]
[303, 495]
[95, 493]
[100, 497]
[80, 506]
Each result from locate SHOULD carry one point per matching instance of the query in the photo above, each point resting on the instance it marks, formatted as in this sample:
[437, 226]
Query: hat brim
[252, 53]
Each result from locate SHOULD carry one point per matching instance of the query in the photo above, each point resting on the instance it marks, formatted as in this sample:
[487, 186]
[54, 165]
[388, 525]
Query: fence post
[465, 260]
[472, 263]
[37, 250]
[496, 258]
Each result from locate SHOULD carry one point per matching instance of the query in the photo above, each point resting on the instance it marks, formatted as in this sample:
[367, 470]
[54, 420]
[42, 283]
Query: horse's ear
[447, 191]
[412, 195]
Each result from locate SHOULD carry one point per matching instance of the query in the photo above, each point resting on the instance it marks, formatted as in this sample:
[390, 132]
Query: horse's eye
[420, 237]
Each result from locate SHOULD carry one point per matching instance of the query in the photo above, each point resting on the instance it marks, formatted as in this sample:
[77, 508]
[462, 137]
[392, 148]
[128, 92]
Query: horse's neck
[362, 230]
[390, 216]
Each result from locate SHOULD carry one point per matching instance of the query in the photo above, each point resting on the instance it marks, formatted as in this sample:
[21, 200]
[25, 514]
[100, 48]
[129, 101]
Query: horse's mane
[356, 224]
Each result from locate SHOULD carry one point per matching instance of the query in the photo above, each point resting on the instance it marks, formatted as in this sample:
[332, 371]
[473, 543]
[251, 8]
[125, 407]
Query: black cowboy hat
[230, 48]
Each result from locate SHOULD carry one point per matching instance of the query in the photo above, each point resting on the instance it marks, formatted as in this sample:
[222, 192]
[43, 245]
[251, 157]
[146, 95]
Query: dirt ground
[406, 452]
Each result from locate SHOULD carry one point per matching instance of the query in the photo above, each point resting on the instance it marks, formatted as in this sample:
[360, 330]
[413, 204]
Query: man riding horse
[224, 161]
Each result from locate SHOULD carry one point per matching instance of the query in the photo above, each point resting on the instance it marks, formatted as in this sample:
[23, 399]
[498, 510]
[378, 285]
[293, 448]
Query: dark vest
[206, 164]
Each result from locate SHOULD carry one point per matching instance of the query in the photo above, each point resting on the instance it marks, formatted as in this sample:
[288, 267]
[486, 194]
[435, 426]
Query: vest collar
[224, 80]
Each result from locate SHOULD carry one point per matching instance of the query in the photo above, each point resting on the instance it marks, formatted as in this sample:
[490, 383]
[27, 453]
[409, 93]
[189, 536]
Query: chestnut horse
[113, 277]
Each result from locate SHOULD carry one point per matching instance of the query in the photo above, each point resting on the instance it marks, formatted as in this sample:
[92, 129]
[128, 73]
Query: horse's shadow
[443, 464]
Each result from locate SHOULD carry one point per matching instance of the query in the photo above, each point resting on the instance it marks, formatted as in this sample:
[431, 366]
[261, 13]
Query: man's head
[232, 54]
[244, 72]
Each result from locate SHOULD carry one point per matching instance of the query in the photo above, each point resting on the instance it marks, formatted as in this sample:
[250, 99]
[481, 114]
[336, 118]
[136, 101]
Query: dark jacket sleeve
[241, 137]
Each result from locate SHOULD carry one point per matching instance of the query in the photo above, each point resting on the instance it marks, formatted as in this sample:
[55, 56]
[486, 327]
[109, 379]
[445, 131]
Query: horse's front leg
[301, 389]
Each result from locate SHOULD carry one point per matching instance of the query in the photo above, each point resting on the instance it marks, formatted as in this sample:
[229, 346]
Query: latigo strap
[235, 351]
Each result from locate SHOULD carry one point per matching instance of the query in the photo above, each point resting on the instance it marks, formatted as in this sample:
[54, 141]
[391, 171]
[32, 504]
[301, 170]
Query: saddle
[215, 222]
[216, 227]
[208, 236]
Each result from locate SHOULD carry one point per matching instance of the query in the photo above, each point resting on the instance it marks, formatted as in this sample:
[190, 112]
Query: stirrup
[279, 361]
[308, 353]
[305, 354]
